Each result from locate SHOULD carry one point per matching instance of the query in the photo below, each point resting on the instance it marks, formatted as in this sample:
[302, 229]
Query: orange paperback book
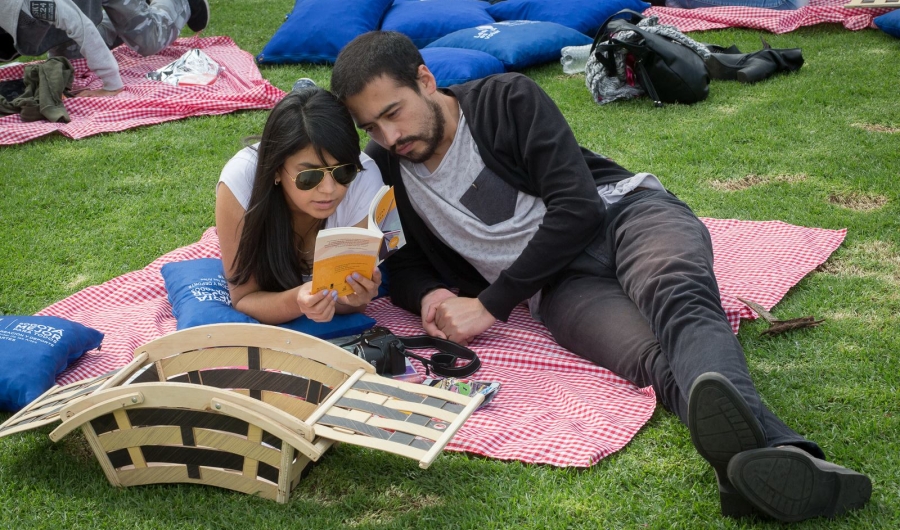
[342, 251]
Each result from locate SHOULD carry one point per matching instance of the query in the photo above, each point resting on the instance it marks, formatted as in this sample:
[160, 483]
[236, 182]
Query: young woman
[305, 174]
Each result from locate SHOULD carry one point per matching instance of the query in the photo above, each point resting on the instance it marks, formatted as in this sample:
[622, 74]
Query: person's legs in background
[150, 28]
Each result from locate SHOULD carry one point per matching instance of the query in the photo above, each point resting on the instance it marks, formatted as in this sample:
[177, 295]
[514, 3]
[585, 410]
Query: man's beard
[432, 141]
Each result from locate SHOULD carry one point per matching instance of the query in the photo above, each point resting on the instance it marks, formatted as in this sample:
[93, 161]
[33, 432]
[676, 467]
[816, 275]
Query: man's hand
[430, 303]
[462, 319]
[319, 307]
[99, 93]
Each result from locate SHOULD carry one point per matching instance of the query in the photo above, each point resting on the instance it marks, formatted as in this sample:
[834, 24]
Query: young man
[90, 28]
[498, 200]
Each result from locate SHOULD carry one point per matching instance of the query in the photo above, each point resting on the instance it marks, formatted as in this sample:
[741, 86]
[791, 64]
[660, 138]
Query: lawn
[816, 148]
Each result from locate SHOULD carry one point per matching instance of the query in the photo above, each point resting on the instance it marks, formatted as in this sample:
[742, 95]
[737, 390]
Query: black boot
[753, 67]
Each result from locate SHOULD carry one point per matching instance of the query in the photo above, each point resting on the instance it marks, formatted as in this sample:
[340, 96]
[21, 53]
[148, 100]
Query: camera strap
[442, 363]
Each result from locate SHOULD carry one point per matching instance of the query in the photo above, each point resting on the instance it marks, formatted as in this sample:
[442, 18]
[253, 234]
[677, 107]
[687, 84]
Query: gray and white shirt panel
[478, 214]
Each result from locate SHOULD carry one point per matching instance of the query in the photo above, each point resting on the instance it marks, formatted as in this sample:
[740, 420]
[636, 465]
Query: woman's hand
[364, 289]
[319, 307]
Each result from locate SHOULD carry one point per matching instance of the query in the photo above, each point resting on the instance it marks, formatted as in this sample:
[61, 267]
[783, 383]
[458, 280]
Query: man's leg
[150, 28]
[646, 305]
[660, 256]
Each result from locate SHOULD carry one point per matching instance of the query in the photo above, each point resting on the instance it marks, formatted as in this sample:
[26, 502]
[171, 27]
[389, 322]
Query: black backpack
[668, 71]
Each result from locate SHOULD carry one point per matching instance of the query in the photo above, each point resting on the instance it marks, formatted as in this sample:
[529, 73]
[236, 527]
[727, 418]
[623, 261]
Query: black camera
[388, 352]
[380, 348]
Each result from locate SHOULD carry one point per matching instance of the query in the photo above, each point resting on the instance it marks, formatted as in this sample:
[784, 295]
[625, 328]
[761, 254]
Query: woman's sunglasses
[310, 178]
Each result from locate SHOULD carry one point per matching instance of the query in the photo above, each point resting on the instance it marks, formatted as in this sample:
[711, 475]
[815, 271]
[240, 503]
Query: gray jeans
[145, 28]
[643, 302]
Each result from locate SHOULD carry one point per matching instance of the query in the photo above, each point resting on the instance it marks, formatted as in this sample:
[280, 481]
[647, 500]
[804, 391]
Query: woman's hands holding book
[364, 290]
[318, 307]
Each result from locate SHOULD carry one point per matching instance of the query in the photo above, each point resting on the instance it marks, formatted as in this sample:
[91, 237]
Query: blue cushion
[199, 295]
[585, 16]
[517, 43]
[34, 350]
[427, 20]
[316, 30]
[338, 326]
[452, 66]
[889, 23]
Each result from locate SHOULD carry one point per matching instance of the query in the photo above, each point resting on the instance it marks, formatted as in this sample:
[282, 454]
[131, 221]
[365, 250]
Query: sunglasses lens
[345, 174]
[309, 179]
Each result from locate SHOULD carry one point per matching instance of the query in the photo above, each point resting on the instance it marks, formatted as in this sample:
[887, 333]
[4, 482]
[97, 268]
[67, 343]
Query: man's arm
[100, 60]
[543, 147]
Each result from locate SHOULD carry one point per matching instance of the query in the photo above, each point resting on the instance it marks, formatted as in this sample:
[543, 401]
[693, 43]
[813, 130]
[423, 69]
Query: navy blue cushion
[199, 295]
[517, 43]
[427, 20]
[585, 16]
[34, 350]
[889, 23]
[452, 66]
[316, 30]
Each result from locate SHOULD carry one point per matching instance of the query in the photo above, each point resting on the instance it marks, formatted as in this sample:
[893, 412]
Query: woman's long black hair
[267, 249]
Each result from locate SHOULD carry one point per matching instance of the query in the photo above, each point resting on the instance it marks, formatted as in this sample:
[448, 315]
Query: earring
[277, 182]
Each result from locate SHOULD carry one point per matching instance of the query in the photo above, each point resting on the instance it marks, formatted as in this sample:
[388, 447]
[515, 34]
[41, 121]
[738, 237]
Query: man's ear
[427, 82]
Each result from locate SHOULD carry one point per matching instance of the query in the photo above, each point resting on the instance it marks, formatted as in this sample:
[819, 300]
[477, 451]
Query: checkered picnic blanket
[553, 407]
[816, 12]
[145, 102]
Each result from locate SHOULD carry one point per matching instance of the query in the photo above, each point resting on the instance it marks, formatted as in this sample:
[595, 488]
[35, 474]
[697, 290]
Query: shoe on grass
[791, 485]
[199, 18]
[303, 83]
[722, 425]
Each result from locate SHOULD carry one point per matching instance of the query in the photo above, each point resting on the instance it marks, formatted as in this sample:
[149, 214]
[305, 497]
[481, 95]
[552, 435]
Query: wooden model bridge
[246, 407]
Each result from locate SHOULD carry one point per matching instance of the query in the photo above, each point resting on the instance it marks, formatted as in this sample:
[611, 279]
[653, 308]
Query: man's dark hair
[372, 55]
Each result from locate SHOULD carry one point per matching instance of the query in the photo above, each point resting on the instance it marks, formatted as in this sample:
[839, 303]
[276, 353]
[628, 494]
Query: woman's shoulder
[239, 172]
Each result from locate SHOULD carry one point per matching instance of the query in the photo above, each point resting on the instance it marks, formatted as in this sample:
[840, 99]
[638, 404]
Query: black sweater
[522, 137]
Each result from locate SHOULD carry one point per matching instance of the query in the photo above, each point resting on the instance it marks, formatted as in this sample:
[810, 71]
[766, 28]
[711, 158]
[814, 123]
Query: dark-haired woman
[305, 174]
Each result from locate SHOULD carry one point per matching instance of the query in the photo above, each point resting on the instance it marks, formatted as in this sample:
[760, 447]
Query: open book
[344, 250]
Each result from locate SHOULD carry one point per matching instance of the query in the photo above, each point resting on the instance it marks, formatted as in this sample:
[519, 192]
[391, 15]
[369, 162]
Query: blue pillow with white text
[199, 295]
[34, 350]
[518, 44]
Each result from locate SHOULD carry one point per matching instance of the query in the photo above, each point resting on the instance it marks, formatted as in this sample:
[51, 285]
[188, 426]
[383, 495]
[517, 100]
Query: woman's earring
[277, 182]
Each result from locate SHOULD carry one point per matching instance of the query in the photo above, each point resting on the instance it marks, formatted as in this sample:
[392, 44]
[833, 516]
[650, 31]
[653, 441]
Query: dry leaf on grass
[776, 326]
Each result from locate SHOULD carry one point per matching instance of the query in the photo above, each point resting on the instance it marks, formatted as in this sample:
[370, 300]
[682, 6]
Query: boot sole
[721, 426]
[198, 21]
[789, 485]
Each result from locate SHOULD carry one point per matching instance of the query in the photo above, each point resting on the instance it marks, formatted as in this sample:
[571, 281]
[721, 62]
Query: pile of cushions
[460, 40]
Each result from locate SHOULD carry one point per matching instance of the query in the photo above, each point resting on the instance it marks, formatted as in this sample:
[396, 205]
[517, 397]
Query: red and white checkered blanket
[145, 102]
[553, 407]
[816, 12]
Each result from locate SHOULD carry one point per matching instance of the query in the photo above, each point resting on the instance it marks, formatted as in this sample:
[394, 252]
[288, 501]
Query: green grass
[77, 213]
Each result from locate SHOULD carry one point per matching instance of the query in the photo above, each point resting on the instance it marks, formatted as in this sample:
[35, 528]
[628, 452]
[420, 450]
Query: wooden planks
[873, 3]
